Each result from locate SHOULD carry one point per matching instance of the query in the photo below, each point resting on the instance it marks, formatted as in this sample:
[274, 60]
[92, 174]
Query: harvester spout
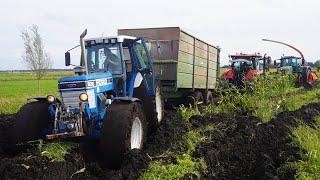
[302, 56]
[83, 51]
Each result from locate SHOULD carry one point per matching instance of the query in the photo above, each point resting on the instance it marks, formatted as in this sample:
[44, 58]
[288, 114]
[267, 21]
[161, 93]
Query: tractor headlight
[50, 98]
[83, 97]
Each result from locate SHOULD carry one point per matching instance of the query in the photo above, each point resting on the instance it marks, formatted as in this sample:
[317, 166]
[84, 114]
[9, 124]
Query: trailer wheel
[123, 130]
[197, 97]
[30, 122]
[209, 98]
[153, 107]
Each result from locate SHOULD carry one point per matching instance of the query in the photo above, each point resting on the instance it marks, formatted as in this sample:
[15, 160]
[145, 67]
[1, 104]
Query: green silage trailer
[185, 65]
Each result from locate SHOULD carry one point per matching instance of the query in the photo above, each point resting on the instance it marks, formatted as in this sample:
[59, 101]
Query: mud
[244, 148]
[241, 147]
[24, 161]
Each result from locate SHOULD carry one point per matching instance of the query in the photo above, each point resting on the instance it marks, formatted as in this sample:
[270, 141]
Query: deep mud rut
[241, 147]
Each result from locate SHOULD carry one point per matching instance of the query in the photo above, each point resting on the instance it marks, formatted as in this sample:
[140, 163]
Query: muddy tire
[30, 122]
[197, 96]
[209, 98]
[153, 107]
[123, 130]
[299, 80]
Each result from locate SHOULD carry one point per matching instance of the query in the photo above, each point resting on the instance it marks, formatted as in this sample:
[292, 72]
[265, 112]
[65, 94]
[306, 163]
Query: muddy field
[240, 147]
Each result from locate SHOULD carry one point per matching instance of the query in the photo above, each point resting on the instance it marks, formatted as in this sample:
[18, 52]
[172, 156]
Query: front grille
[71, 98]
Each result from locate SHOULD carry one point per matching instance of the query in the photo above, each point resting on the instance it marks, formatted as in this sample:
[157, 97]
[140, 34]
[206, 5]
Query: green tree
[35, 57]
[317, 65]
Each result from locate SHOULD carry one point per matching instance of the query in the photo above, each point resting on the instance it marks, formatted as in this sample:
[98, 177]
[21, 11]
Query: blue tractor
[113, 98]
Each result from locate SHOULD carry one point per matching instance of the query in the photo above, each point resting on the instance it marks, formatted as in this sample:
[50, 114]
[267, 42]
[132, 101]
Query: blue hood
[85, 77]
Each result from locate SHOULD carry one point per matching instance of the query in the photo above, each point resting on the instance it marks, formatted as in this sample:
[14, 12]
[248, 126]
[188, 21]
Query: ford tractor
[297, 66]
[244, 67]
[114, 98]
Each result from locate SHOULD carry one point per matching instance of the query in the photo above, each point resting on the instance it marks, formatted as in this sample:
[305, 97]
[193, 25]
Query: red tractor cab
[244, 67]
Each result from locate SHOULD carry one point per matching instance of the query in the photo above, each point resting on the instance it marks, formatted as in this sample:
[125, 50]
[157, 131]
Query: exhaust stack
[83, 51]
[278, 42]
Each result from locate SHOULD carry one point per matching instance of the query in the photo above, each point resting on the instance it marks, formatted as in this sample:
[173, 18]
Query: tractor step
[65, 135]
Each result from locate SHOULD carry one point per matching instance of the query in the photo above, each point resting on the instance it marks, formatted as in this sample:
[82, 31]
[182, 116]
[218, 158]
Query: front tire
[123, 130]
[30, 122]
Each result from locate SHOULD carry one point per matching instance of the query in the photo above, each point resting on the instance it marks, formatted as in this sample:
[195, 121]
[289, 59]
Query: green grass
[185, 165]
[309, 140]
[55, 151]
[16, 88]
[297, 100]
[265, 100]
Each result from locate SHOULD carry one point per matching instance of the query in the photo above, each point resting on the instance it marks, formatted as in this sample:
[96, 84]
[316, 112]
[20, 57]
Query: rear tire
[123, 130]
[299, 80]
[30, 122]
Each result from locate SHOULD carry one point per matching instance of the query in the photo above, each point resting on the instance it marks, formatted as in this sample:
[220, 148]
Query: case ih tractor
[113, 98]
[244, 67]
[297, 66]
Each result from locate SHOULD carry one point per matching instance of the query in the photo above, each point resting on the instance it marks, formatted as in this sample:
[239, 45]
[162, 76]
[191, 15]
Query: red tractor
[244, 67]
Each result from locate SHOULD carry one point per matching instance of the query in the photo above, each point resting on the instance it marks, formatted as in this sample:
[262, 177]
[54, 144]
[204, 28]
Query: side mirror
[275, 63]
[67, 58]
[148, 45]
[158, 47]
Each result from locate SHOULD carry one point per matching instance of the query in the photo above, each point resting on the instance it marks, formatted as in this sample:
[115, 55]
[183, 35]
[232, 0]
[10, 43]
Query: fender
[135, 81]
[42, 99]
[251, 74]
[229, 75]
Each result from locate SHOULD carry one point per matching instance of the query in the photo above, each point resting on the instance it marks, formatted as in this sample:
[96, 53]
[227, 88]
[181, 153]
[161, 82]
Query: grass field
[16, 88]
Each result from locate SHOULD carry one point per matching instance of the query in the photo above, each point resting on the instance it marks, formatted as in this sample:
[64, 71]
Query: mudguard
[229, 75]
[312, 77]
[43, 99]
[251, 74]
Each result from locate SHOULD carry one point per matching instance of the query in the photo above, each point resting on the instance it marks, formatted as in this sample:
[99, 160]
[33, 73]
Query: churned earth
[239, 146]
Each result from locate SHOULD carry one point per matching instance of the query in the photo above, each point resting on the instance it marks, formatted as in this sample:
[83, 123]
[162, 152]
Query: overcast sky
[234, 25]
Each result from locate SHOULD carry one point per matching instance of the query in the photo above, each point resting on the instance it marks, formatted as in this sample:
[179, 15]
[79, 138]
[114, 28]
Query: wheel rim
[136, 134]
[159, 105]
[210, 99]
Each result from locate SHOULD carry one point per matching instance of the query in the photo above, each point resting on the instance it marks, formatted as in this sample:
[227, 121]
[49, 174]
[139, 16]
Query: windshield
[241, 65]
[104, 57]
[291, 61]
[238, 64]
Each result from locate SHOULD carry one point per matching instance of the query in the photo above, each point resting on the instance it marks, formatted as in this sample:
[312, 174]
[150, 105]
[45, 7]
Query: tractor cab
[243, 66]
[288, 64]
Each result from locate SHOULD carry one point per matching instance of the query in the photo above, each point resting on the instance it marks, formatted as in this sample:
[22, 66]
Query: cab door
[143, 64]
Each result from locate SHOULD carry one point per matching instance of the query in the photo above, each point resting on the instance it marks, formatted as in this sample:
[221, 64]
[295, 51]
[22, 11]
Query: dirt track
[241, 148]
